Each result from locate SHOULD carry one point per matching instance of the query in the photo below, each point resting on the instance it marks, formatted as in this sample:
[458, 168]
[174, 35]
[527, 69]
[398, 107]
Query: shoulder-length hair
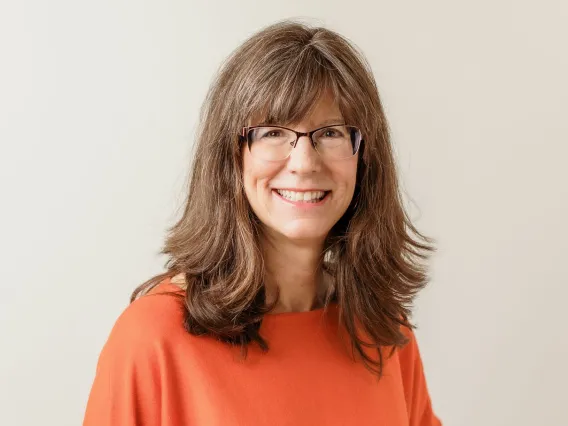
[373, 252]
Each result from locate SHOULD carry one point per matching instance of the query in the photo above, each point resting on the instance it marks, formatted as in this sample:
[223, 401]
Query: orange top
[151, 372]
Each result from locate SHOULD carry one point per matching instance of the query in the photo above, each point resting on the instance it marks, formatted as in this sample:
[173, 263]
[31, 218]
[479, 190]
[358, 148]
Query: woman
[291, 274]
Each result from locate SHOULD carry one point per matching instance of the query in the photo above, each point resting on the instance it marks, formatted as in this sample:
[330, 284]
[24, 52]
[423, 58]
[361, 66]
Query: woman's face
[303, 170]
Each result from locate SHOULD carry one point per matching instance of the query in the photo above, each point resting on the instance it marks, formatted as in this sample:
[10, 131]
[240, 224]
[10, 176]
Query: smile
[302, 197]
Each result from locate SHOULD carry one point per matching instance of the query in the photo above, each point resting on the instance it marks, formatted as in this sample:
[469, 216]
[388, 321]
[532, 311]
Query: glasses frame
[245, 132]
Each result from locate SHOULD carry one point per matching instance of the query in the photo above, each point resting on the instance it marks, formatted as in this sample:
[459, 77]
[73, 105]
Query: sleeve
[125, 391]
[419, 405]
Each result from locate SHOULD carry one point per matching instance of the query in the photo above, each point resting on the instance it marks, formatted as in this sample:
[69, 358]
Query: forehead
[324, 110]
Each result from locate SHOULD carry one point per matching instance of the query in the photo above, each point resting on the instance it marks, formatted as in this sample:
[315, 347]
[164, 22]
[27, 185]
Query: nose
[304, 158]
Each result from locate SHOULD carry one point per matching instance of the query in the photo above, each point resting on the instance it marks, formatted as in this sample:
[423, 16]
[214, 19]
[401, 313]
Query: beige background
[98, 108]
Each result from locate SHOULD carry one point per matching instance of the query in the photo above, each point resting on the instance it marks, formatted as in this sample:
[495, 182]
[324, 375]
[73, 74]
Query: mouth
[302, 197]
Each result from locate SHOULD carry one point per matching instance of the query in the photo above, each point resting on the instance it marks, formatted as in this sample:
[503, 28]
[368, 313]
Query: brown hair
[373, 252]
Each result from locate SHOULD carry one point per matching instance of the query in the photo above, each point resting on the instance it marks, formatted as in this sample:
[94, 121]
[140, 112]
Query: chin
[302, 231]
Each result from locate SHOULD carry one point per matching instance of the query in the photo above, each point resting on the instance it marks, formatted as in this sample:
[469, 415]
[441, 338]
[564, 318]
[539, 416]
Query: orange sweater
[151, 372]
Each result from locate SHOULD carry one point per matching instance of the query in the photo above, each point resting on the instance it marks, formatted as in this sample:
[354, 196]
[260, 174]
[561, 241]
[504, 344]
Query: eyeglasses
[275, 143]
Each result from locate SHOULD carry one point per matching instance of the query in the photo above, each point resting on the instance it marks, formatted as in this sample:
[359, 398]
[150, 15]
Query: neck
[295, 269]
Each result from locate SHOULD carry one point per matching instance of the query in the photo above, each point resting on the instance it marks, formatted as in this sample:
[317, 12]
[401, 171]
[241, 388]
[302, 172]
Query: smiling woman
[293, 248]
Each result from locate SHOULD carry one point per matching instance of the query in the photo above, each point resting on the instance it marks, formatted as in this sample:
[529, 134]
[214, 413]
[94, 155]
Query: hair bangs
[292, 93]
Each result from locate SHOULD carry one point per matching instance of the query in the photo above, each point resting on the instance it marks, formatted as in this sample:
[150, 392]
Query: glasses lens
[270, 143]
[337, 141]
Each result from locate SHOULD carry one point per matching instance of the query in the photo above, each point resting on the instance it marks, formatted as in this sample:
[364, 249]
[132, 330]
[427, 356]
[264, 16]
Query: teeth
[307, 196]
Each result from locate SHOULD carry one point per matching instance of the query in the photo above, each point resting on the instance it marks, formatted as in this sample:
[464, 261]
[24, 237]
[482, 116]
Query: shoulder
[131, 364]
[149, 321]
[409, 351]
[419, 404]
[410, 360]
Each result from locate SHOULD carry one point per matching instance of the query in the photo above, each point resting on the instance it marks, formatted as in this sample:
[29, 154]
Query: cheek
[347, 175]
[256, 177]
[348, 178]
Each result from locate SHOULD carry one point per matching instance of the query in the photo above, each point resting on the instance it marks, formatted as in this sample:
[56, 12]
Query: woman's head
[301, 78]
[295, 76]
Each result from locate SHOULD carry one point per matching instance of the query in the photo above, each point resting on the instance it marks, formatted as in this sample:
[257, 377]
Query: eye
[331, 133]
[272, 133]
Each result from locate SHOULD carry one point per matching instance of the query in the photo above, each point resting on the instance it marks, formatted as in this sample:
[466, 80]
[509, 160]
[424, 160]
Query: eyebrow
[324, 123]
[331, 121]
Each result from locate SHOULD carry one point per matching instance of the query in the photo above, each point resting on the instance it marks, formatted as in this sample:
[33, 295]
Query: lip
[301, 189]
[303, 204]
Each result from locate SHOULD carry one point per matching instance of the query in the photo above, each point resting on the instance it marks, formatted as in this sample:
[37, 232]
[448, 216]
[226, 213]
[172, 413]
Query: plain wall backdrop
[98, 110]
